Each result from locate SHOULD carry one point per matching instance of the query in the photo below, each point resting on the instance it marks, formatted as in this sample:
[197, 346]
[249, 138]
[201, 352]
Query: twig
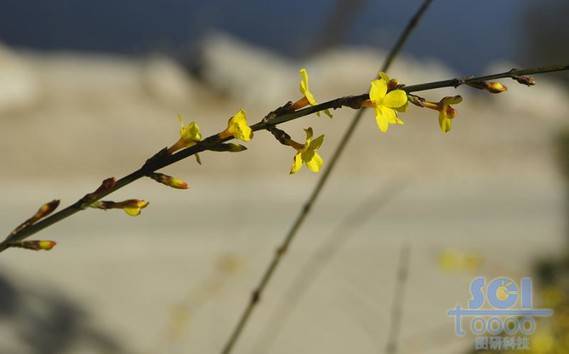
[256, 295]
[516, 74]
[325, 252]
[398, 300]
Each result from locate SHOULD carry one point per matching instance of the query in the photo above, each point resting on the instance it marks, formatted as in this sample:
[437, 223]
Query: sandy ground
[175, 279]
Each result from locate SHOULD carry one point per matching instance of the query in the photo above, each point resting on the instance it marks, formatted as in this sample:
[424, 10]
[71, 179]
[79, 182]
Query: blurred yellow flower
[307, 153]
[238, 128]
[452, 260]
[386, 103]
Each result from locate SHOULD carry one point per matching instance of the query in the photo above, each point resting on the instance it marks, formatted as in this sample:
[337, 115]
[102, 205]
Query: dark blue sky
[465, 34]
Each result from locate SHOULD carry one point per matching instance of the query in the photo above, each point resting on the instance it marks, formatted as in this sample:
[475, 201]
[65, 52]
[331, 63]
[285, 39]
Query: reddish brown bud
[524, 80]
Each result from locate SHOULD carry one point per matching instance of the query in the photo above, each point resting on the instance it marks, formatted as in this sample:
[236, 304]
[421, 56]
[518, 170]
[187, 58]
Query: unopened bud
[496, 87]
[35, 245]
[169, 180]
[45, 210]
[492, 86]
[524, 80]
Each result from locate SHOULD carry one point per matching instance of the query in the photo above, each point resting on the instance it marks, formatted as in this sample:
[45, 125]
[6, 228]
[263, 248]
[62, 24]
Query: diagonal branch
[277, 117]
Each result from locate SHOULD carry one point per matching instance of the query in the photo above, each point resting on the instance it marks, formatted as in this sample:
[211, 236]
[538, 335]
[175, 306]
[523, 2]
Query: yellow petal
[390, 114]
[309, 133]
[315, 163]
[303, 78]
[395, 99]
[381, 120]
[191, 132]
[296, 164]
[444, 122]
[451, 100]
[310, 97]
[377, 91]
[403, 108]
[132, 211]
[316, 143]
[304, 89]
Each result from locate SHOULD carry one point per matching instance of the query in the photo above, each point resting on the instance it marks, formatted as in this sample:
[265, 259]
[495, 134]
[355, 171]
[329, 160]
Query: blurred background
[89, 90]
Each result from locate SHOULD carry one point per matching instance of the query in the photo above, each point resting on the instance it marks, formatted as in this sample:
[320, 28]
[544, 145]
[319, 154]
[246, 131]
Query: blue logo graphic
[500, 307]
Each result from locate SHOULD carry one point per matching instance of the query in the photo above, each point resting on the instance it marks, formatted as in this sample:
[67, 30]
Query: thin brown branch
[277, 117]
[516, 74]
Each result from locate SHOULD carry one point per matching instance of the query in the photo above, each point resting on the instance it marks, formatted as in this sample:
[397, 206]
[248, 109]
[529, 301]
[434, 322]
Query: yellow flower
[308, 153]
[455, 260]
[308, 98]
[238, 128]
[386, 104]
[189, 135]
[446, 112]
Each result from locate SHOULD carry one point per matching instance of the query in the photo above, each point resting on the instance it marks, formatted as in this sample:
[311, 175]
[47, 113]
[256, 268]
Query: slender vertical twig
[398, 300]
[325, 252]
[282, 249]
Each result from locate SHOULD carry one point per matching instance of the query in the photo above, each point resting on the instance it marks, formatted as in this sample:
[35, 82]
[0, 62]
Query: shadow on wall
[45, 322]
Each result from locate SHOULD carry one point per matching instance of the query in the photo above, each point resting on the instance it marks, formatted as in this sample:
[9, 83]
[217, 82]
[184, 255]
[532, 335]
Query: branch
[515, 74]
[279, 116]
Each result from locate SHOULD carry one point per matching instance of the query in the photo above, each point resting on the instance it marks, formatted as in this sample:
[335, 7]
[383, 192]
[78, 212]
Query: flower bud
[490, 86]
[35, 245]
[496, 87]
[169, 180]
[524, 80]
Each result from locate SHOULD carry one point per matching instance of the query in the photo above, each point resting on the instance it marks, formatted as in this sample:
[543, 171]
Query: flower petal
[451, 100]
[296, 164]
[316, 143]
[390, 114]
[377, 91]
[309, 133]
[395, 99]
[315, 163]
[304, 88]
[445, 123]
[381, 120]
